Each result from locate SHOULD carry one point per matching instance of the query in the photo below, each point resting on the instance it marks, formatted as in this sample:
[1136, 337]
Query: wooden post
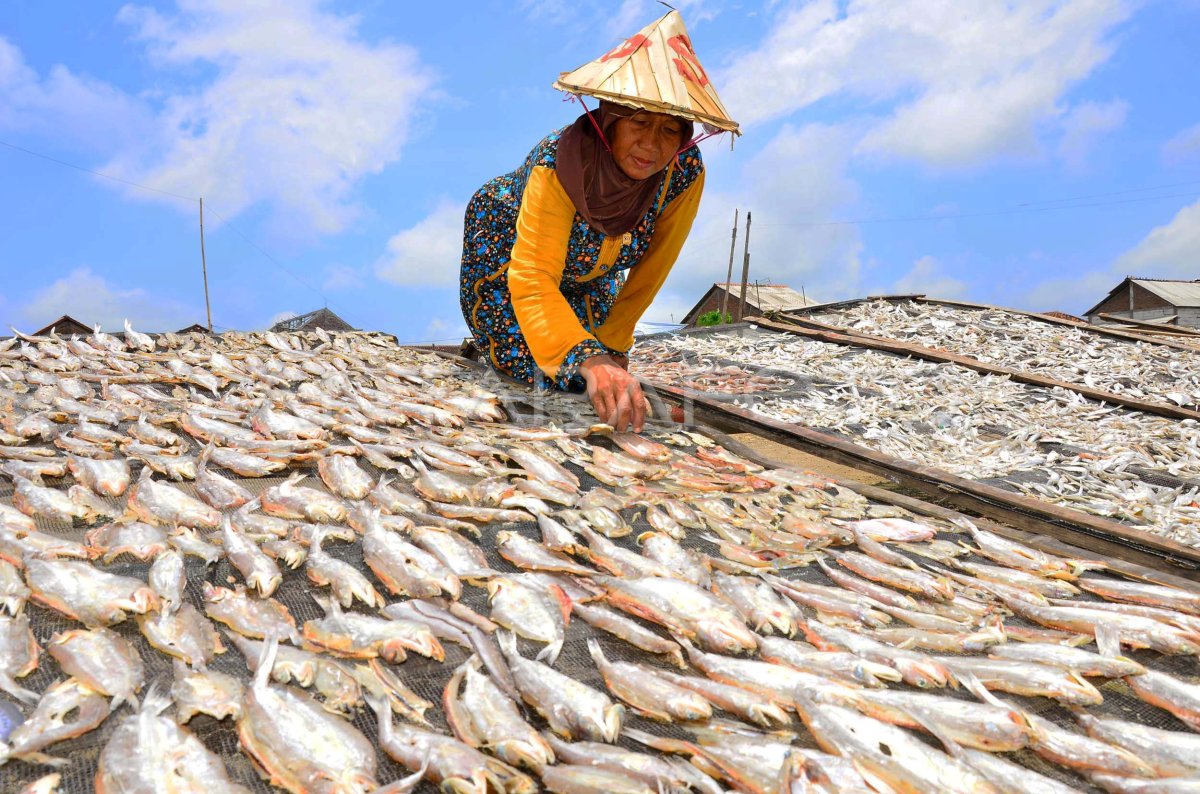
[745, 271]
[729, 272]
[204, 267]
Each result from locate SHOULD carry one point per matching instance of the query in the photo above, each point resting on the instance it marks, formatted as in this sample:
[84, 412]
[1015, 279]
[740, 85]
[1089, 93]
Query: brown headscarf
[603, 194]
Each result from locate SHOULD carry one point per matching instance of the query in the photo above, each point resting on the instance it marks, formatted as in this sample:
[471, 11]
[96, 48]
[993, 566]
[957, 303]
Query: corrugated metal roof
[770, 297]
[1177, 293]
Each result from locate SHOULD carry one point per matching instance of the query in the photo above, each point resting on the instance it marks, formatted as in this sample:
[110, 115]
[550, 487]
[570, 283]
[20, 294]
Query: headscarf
[602, 193]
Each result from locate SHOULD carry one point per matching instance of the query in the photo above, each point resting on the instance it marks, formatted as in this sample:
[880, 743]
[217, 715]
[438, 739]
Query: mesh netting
[1138, 472]
[427, 677]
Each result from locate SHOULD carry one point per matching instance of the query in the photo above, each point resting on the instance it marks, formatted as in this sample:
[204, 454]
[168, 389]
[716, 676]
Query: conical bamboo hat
[656, 70]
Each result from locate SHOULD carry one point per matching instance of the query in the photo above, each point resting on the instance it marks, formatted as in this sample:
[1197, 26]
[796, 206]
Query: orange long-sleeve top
[539, 259]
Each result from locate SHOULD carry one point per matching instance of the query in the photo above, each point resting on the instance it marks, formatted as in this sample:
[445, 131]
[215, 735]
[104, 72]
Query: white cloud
[70, 107]
[1171, 250]
[443, 331]
[1183, 147]
[91, 299]
[671, 307]
[618, 23]
[627, 19]
[796, 186]
[1071, 295]
[1084, 124]
[342, 277]
[954, 87]
[1168, 251]
[926, 278]
[299, 110]
[427, 254]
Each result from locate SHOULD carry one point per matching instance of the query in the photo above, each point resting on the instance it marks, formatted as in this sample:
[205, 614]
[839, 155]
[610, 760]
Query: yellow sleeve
[535, 271]
[648, 275]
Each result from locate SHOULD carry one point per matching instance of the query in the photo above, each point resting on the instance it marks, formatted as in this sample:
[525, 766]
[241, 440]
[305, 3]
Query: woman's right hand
[615, 394]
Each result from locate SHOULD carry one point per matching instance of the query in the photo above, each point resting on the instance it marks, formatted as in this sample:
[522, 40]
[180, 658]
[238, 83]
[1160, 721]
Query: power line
[97, 173]
[272, 259]
[140, 186]
[1023, 209]
[1112, 193]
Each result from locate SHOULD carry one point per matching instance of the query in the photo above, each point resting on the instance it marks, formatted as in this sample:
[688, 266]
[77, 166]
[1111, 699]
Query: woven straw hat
[656, 70]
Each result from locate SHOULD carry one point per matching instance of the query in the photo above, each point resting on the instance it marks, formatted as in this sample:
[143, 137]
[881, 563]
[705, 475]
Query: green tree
[713, 318]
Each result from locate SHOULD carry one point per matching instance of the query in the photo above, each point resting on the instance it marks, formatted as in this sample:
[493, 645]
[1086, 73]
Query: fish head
[727, 637]
[533, 753]
[476, 783]
[614, 717]
[329, 513]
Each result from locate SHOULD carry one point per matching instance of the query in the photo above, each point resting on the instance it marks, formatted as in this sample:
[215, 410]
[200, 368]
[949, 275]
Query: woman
[562, 256]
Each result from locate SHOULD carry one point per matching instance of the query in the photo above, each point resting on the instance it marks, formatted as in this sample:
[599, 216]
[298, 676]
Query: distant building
[1150, 300]
[65, 326]
[321, 318]
[760, 299]
[194, 328]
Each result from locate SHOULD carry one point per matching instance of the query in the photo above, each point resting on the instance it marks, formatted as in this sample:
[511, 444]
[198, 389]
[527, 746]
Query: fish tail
[596, 652]
[508, 645]
[550, 652]
[266, 661]
[9, 685]
[39, 758]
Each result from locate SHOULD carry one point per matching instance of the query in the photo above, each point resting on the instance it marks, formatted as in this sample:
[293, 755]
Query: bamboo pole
[729, 272]
[204, 267]
[745, 272]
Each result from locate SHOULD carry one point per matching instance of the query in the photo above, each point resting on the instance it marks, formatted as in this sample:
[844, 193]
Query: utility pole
[204, 267]
[745, 270]
[729, 272]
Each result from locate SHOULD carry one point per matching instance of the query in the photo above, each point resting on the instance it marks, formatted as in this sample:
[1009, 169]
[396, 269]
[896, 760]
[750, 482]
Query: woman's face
[644, 143]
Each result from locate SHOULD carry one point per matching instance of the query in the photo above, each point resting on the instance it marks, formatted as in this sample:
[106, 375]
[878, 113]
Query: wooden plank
[1017, 510]
[1151, 571]
[814, 329]
[1149, 326]
[1130, 561]
[1117, 333]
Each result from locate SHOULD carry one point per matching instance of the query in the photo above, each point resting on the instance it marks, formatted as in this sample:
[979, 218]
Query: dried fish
[298, 745]
[532, 611]
[358, 636]
[572, 709]
[184, 634]
[205, 692]
[66, 710]
[19, 657]
[160, 503]
[138, 540]
[91, 596]
[101, 659]
[483, 716]
[249, 615]
[445, 759]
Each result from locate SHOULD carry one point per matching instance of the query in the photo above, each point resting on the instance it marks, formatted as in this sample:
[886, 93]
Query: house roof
[65, 326]
[1174, 291]
[759, 298]
[194, 328]
[321, 318]
[1177, 293]
[1064, 316]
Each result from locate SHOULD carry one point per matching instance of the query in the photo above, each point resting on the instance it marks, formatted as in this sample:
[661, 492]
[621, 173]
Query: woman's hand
[615, 394]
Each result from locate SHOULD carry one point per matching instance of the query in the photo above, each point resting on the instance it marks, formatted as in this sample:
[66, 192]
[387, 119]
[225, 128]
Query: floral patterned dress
[542, 290]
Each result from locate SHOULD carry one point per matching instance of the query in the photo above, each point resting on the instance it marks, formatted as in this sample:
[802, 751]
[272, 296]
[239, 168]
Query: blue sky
[1022, 153]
